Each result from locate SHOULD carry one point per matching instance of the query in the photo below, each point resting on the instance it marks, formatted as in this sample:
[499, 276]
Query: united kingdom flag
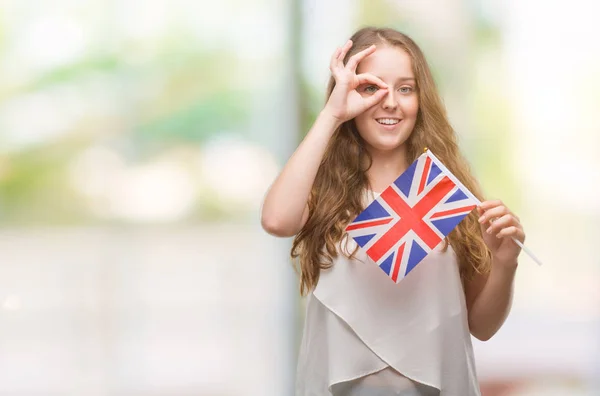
[412, 216]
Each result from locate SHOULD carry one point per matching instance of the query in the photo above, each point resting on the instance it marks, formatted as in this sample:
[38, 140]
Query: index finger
[356, 58]
[485, 205]
[365, 78]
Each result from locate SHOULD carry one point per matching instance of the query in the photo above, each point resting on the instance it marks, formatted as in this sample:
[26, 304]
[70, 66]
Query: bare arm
[489, 300]
[285, 207]
[489, 297]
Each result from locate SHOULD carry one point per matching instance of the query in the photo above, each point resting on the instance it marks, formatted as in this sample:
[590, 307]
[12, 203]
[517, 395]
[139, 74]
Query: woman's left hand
[498, 226]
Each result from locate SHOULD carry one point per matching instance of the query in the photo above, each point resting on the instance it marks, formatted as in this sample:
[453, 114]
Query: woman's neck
[385, 168]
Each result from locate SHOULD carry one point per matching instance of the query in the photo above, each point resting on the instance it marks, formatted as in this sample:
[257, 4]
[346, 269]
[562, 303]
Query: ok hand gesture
[345, 101]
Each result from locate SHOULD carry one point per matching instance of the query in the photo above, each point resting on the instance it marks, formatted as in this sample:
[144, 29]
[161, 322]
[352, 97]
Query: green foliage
[196, 122]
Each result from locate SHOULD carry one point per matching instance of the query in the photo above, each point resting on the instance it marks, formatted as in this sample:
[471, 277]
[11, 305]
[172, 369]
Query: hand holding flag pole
[474, 198]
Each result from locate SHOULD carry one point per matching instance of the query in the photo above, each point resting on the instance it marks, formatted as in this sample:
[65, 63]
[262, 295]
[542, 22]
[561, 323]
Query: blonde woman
[365, 335]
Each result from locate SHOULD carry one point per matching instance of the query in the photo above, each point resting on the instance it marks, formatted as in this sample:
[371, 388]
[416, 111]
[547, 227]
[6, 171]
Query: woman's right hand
[345, 101]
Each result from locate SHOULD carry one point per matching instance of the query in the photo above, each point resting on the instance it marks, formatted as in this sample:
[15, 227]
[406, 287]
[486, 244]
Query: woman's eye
[371, 88]
[406, 89]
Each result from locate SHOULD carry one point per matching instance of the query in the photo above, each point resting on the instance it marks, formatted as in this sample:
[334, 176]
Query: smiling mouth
[388, 121]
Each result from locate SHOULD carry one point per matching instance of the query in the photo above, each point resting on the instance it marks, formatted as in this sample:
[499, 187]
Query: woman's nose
[389, 101]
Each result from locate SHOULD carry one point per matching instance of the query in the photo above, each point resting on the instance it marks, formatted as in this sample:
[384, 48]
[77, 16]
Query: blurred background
[138, 138]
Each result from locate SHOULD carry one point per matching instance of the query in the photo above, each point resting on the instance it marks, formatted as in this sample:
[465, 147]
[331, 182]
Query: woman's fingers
[356, 58]
[512, 231]
[338, 56]
[507, 220]
[367, 78]
[502, 222]
[375, 98]
[334, 59]
[490, 204]
[492, 210]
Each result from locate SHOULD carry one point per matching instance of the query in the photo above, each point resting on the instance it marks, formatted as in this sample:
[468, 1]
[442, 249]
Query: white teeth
[388, 121]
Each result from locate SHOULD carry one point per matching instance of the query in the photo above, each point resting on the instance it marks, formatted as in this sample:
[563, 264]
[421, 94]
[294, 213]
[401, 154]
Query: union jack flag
[412, 216]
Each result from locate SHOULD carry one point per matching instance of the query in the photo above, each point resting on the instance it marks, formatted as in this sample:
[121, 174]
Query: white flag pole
[473, 197]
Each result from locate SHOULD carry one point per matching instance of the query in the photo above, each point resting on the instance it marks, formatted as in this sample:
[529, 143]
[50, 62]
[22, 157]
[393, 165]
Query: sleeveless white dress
[365, 335]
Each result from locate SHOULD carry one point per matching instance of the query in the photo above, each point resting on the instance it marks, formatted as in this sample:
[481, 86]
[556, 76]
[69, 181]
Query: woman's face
[388, 124]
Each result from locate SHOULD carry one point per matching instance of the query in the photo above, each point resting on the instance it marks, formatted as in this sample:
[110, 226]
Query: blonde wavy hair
[337, 195]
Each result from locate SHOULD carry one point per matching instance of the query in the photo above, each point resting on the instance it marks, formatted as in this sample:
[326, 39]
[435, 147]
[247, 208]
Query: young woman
[364, 334]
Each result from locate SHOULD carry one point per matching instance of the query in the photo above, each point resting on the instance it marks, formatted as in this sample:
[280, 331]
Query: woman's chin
[388, 146]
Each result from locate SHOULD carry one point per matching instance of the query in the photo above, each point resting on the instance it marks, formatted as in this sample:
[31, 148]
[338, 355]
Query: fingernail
[481, 219]
[489, 230]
